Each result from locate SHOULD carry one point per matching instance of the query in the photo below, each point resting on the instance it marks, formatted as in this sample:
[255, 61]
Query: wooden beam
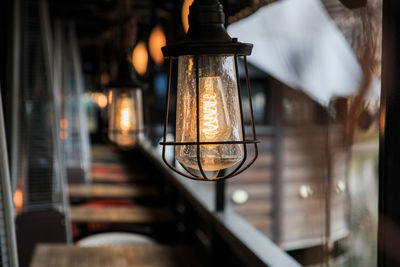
[110, 191]
[139, 215]
[118, 256]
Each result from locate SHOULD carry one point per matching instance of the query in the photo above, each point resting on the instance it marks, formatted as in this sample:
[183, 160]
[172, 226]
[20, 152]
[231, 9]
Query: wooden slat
[109, 191]
[106, 160]
[101, 150]
[255, 191]
[116, 178]
[259, 222]
[113, 164]
[255, 176]
[50, 255]
[254, 208]
[109, 169]
[139, 215]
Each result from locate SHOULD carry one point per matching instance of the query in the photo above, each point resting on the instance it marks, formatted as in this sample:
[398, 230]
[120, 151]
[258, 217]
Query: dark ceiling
[98, 23]
[95, 17]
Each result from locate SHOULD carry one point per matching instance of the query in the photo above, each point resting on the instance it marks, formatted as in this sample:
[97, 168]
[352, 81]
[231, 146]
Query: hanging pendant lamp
[210, 132]
[125, 111]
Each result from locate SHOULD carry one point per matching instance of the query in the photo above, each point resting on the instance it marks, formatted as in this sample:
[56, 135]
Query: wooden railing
[244, 241]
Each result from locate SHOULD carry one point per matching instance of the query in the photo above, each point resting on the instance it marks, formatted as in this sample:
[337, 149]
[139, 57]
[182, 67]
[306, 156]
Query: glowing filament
[125, 119]
[213, 114]
[125, 116]
[209, 115]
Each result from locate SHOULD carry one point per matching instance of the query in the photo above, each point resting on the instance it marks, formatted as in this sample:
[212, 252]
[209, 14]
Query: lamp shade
[125, 111]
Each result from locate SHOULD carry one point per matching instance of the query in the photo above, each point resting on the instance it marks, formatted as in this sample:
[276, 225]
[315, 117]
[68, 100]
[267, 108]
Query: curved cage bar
[209, 134]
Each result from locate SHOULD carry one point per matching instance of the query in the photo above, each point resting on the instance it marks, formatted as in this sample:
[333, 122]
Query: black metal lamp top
[207, 33]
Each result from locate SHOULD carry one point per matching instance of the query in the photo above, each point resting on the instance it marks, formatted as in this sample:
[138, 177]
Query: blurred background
[85, 192]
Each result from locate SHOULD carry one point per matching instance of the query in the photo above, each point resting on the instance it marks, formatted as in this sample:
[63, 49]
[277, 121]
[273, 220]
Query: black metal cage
[241, 165]
[126, 83]
[207, 36]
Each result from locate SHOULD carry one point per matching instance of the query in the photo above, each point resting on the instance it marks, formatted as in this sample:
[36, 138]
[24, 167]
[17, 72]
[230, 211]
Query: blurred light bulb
[140, 58]
[240, 196]
[18, 200]
[156, 41]
[125, 116]
[63, 123]
[100, 99]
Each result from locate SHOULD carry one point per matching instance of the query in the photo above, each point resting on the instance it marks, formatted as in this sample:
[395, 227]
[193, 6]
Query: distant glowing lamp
[140, 58]
[18, 200]
[156, 41]
[100, 99]
[125, 115]
[210, 134]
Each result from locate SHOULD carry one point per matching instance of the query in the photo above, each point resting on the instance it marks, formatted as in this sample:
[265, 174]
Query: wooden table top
[139, 215]
[109, 191]
[60, 255]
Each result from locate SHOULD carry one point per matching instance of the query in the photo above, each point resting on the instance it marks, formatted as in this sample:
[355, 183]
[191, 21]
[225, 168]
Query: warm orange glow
[125, 119]
[382, 121]
[125, 116]
[18, 200]
[100, 99]
[185, 12]
[214, 125]
[208, 111]
[156, 41]
[64, 123]
[110, 98]
[140, 58]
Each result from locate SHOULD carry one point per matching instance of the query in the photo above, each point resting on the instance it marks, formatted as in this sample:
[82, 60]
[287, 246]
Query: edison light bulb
[214, 119]
[125, 116]
[219, 117]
